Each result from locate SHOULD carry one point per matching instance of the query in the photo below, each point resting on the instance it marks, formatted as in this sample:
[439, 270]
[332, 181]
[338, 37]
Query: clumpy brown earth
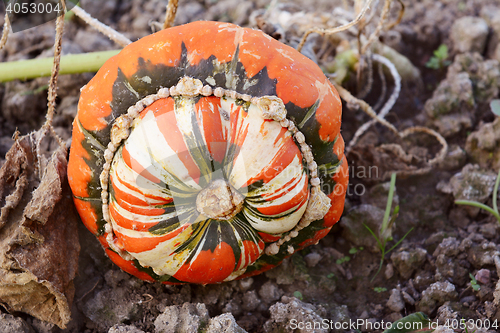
[446, 267]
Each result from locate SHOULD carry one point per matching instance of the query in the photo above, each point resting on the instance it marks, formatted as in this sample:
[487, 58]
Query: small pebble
[312, 259]
[483, 276]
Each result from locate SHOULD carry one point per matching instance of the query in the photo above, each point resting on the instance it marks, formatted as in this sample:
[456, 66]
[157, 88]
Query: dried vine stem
[363, 49]
[368, 60]
[350, 99]
[91, 289]
[5, 32]
[400, 17]
[388, 105]
[442, 153]
[370, 17]
[337, 29]
[383, 88]
[380, 26]
[170, 14]
[52, 93]
[345, 95]
[398, 151]
[358, 6]
[109, 32]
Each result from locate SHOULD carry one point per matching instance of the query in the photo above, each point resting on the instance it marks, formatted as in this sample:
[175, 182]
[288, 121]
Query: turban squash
[207, 152]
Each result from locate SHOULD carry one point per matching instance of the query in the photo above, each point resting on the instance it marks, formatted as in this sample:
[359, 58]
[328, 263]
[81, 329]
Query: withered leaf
[38, 232]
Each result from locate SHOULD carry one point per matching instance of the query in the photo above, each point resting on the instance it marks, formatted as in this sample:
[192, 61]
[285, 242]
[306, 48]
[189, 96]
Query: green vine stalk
[70, 64]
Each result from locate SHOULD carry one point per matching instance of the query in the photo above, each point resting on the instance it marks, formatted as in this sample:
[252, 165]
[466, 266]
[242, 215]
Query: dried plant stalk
[5, 32]
[170, 14]
[400, 153]
[109, 32]
[350, 99]
[388, 105]
[396, 149]
[369, 80]
[400, 17]
[52, 93]
[442, 153]
[383, 88]
[380, 26]
[337, 29]
[358, 6]
[370, 17]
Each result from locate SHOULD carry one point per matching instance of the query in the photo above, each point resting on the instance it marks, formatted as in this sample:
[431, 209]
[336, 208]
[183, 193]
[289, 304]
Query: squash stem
[70, 64]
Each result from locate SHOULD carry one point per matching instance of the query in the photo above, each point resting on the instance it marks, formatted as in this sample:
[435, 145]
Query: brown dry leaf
[38, 233]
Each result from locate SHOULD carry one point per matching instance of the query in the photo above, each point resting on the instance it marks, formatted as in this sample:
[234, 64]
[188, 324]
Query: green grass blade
[495, 193]
[378, 270]
[380, 245]
[389, 203]
[399, 241]
[393, 218]
[479, 205]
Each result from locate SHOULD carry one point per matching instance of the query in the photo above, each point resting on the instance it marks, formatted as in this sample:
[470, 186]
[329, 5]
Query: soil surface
[447, 264]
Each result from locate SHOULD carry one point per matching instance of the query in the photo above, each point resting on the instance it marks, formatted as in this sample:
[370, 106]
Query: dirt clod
[120, 328]
[436, 294]
[269, 292]
[312, 259]
[354, 223]
[109, 307]
[452, 105]
[395, 302]
[448, 266]
[469, 34]
[472, 183]
[483, 145]
[225, 323]
[11, 324]
[189, 317]
[406, 262]
[282, 314]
